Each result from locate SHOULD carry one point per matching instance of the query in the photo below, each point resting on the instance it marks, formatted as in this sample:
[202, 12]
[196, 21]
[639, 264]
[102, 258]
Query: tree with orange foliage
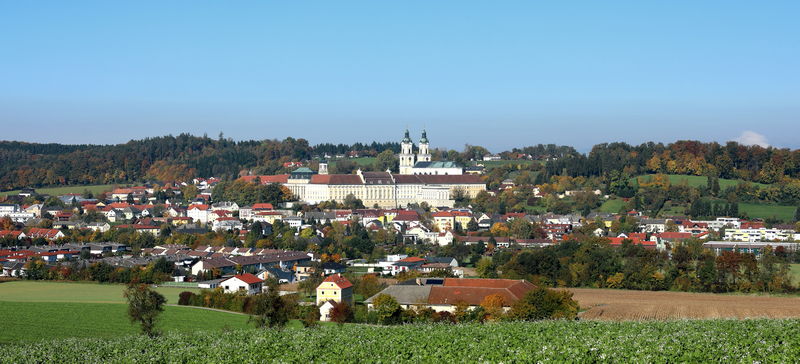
[499, 229]
[493, 306]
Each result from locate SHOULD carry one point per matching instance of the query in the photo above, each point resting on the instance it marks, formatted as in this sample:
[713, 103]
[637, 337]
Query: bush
[185, 298]
[309, 315]
[341, 312]
[542, 304]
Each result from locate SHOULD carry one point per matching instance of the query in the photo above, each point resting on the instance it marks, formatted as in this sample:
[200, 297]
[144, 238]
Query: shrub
[341, 312]
[542, 304]
[185, 298]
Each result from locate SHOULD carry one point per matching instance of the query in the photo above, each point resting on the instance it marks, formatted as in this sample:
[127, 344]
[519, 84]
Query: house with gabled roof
[247, 283]
[444, 294]
[335, 288]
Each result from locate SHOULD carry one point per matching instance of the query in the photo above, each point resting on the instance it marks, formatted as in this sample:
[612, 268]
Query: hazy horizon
[497, 75]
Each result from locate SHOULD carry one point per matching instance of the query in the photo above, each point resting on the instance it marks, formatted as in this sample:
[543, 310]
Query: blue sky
[493, 73]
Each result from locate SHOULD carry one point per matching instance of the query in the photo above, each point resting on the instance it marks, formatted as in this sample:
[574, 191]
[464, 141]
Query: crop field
[723, 341]
[610, 304]
[39, 291]
[55, 191]
[33, 321]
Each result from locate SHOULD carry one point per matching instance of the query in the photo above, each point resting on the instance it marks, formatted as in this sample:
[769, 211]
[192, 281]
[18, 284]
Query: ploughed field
[611, 304]
[726, 341]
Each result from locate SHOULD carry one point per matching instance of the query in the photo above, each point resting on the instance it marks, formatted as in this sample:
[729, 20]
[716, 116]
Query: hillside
[696, 181]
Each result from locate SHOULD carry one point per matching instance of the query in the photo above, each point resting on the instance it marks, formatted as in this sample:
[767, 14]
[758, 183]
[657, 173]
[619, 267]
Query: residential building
[246, 282]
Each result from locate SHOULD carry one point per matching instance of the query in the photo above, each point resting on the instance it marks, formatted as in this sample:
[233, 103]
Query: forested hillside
[165, 158]
[182, 157]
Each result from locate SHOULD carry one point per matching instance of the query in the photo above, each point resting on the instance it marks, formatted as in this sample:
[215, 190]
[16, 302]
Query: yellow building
[335, 288]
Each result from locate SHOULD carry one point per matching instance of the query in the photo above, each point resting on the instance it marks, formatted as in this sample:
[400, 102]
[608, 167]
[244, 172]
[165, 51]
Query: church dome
[407, 138]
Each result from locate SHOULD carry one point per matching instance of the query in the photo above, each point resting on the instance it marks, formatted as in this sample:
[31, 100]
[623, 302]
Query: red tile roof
[339, 280]
[247, 278]
[262, 206]
[336, 179]
[674, 235]
[280, 178]
[412, 259]
[473, 291]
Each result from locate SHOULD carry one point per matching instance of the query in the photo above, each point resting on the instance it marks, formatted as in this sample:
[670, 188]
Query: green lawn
[795, 273]
[40, 291]
[672, 210]
[56, 191]
[31, 321]
[697, 181]
[361, 161]
[785, 213]
[612, 205]
[494, 164]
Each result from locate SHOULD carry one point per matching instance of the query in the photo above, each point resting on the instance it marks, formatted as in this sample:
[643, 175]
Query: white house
[227, 223]
[199, 213]
[225, 205]
[247, 283]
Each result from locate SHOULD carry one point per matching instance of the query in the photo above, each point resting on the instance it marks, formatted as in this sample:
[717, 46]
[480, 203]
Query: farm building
[443, 294]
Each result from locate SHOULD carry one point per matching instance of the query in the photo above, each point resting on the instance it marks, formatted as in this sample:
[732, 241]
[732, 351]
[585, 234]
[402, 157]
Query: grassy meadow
[34, 310]
[32, 321]
[43, 291]
[785, 213]
[696, 181]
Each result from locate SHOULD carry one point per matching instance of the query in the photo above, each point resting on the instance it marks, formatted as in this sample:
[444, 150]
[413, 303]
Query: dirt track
[608, 304]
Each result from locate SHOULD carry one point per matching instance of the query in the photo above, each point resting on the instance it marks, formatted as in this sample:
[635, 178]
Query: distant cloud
[752, 138]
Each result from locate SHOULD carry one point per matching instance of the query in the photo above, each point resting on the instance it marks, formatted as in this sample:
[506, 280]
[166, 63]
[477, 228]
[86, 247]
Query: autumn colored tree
[499, 229]
[542, 303]
[493, 306]
[341, 312]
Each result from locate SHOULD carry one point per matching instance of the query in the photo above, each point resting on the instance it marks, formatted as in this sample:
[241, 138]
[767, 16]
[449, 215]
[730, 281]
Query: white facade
[764, 234]
[198, 214]
[234, 284]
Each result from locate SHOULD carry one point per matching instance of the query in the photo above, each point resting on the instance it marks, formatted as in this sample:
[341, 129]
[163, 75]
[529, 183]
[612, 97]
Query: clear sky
[492, 73]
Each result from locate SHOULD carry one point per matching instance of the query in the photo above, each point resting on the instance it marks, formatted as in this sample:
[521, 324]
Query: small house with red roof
[13, 234]
[49, 234]
[247, 283]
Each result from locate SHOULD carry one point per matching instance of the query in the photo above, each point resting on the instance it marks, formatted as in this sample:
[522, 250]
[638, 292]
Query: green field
[785, 213]
[494, 164]
[719, 341]
[40, 291]
[56, 191]
[697, 181]
[31, 321]
[361, 161]
[612, 205]
[794, 272]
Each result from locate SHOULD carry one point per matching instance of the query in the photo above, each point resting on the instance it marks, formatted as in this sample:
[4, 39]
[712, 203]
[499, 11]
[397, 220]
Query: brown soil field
[622, 305]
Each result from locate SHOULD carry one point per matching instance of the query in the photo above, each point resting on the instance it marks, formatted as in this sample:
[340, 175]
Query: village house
[335, 288]
[247, 283]
[444, 294]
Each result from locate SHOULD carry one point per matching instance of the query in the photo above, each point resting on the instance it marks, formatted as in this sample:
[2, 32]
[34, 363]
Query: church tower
[406, 155]
[424, 154]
